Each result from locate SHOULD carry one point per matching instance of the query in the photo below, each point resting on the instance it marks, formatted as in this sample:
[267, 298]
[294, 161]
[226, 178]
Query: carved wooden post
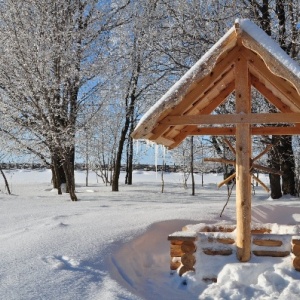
[243, 155]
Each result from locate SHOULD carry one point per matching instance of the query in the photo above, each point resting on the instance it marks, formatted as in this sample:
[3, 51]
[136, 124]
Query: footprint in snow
[61, 262]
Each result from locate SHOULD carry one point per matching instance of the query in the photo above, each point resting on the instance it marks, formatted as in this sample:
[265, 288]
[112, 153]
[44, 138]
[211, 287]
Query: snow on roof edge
[269, 44]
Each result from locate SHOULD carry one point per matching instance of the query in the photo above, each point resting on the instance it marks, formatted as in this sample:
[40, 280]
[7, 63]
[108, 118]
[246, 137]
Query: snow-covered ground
[114, 245]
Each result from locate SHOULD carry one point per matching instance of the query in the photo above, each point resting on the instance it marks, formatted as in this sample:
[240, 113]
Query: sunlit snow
[114, 245]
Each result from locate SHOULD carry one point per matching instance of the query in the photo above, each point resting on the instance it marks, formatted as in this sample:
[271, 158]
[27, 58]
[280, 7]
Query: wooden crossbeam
[230, 146]
[254, 166]
[226, 180]
[267, 149]
[248, 118]
[261, 183]
[254, 131]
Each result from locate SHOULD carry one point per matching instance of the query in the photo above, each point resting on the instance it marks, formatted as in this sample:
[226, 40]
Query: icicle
[156, 157]
[137, 146]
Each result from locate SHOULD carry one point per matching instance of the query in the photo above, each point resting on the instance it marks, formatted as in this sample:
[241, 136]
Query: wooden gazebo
[245, 56]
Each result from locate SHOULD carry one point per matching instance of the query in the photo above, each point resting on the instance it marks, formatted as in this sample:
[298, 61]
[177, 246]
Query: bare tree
[50, 68]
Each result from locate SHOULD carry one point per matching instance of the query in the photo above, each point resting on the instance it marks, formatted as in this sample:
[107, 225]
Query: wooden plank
[218, 228]
[212, 251]
[261, 183]
[225, 181]
[225, 240]
[182, 237]
[254, 131]
[213, 131]
[260, 230]
[271, 253]
[275, 131]
[267, 242]
[243, 157]
[242, 118]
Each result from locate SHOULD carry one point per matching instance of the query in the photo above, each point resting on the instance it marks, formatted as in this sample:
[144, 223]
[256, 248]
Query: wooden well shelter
[244, 58]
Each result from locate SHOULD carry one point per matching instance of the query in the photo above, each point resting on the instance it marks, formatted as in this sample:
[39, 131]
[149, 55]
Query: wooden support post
[243, 157]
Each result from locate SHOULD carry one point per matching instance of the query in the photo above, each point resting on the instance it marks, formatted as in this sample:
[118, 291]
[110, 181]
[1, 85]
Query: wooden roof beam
[211, 103]
[224, 66]
[200, 90]
[254, 131]
[208, 109]
[268, 94]
[286, 89]
[250, 118]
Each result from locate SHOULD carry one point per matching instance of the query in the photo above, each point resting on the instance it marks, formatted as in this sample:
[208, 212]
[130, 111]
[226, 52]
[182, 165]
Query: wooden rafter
[200, 91]
[210, 100]
[258, 68]
[269, 95]
[186, 130]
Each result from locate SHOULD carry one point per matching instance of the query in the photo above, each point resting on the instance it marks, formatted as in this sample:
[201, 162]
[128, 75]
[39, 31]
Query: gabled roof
[212, 79]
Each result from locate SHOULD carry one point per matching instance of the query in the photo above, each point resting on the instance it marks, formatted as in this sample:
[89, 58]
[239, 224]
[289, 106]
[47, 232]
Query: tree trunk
[286, 149]
[274, 162]
[129, 168]
[68, 167]
[58, 174]
[128, 121]
[192, 166]
[5, 181]
[287, 166]
[117, 167]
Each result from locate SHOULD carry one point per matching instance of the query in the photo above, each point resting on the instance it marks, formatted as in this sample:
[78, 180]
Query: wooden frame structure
[244, 58]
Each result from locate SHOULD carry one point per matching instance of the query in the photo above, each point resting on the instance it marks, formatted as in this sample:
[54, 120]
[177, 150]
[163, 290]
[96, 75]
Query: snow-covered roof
[211, 80]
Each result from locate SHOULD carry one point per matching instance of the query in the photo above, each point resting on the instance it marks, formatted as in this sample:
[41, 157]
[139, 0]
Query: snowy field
[114, 245]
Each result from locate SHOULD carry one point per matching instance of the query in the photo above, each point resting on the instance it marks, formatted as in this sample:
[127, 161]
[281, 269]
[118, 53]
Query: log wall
[217, 240]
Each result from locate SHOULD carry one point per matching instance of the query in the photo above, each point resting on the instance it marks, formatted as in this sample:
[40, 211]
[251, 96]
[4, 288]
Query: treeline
[76, 76]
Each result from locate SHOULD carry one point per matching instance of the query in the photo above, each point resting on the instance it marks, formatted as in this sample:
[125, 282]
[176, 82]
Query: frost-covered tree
[51, 62]
[279, 19]
[139, 74]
